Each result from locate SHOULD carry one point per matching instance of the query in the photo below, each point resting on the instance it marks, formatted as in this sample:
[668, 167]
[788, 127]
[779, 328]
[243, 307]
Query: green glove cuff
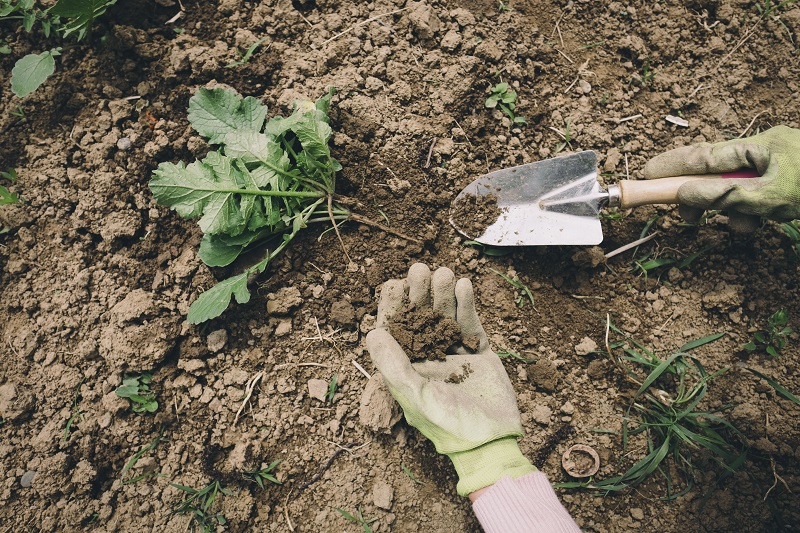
[485, 465]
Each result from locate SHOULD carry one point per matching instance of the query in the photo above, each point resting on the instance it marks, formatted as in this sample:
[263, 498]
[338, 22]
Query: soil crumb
[425, 335]
[466, 370]
[473, 214]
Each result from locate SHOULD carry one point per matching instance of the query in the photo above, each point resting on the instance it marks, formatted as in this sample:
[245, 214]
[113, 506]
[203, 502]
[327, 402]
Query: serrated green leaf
[196, 190]
[31, 71]
[214, 113]
[80, 14]
[222, 250]
[214, 301]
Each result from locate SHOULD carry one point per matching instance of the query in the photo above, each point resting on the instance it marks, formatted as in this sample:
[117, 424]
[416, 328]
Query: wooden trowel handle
[633, 193]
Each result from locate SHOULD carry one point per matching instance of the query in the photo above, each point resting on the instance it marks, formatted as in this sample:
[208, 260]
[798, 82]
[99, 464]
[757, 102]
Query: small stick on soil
[464, 132]
[178, 15]
[336, 228]
[751, 123]
[248, 392]
[571, 85]
[364, 220]
[626, 119]
[430, 153]
[777, 478]
[325, 467]
[697, 89]
[361, 369]
[565, 55]
[287, 365]
[354, 26]
[630, 245]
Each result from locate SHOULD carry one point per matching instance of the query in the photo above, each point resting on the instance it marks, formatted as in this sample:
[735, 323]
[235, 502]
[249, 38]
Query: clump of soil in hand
[473, 214]
[428, 336]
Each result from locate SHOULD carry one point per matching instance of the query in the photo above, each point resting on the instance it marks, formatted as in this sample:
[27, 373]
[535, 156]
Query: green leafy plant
[247, 55]
[359, 519]
[665, 410]
[267, 181]
[792, 230]
[198, 504]
[137, 390]
[524, 294]
[264, 474]
[772, 339]
[6, 196]
[767, 7]
[333, 385]
[67, 18]
[506, 99]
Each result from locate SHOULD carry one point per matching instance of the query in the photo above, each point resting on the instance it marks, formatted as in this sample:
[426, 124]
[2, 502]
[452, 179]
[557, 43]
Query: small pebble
[124, 144]
[216, 340]
[637, 514]
[27, 478]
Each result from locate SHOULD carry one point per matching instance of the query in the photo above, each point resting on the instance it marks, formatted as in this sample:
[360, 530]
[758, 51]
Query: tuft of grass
[137, 390]
[76, 413]
[359, 519]
[247, 55]
[198, 505]
[566, 136]
[410, 474]
[505, 352]
[264, 474]
[502, 96]
[665, 409]
[772, 339]
[135, 458]
[524, 294]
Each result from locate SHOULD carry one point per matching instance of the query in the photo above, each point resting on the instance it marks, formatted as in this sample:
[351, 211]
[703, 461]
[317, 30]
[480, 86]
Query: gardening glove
[775, 154]
[465, 404]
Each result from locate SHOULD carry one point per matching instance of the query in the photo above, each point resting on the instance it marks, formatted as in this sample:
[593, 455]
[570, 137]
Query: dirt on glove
[473, 214]
[429, 336]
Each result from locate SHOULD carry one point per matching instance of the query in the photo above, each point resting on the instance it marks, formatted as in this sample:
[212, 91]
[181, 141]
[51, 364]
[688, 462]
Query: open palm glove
[474, 419]
[775, 154]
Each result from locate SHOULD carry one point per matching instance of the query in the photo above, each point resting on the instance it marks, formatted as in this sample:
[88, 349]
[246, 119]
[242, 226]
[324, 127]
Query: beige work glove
[476, 421]
[775, 154]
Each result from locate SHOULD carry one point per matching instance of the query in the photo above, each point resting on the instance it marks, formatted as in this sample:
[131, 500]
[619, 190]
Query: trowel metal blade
[550, 202]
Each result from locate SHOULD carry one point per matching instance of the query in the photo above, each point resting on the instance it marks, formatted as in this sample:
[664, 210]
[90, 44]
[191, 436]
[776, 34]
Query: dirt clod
[424, 335]
[473, 214]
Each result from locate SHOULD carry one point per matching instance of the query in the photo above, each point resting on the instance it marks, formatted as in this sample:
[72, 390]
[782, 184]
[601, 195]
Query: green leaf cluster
[137, 390]
[772, 339]
[6, 196]
[264, 474]
[506, 99]
[198, 505]
[67, 18]
[267, 181]
[358, 518]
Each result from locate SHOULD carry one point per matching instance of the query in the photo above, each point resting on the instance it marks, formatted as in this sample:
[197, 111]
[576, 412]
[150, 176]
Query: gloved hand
[475, 421]
[775, 154]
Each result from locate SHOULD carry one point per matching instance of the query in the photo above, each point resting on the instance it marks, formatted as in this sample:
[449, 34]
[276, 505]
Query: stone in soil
[425, 335]
[473, 214]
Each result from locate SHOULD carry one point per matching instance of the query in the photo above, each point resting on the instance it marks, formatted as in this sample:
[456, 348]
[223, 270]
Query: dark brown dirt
[424, 335]
[472, 214]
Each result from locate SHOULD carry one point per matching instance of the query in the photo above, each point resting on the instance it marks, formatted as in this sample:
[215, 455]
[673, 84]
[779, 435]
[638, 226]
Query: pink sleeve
[526, 504]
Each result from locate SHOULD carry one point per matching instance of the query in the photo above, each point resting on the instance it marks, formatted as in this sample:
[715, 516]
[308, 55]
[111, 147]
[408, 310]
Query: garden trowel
[554, 202]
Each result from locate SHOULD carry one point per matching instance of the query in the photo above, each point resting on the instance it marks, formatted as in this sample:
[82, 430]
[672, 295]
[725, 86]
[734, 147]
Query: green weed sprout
[264, 474]
[792, 230]
[359, 519]
[524, 294]
[333, 385]
[137, 390]
[198, 504]
[506, 99]
[773, 339]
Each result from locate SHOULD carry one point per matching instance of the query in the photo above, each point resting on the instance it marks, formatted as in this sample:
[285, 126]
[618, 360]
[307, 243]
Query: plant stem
[336, 228]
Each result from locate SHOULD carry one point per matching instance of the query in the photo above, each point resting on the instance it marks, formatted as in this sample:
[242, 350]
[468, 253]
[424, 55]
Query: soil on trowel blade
[472, 214]
[429, 336]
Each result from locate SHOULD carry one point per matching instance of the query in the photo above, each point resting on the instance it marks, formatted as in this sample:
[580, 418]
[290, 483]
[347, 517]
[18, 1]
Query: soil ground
[96, 279]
